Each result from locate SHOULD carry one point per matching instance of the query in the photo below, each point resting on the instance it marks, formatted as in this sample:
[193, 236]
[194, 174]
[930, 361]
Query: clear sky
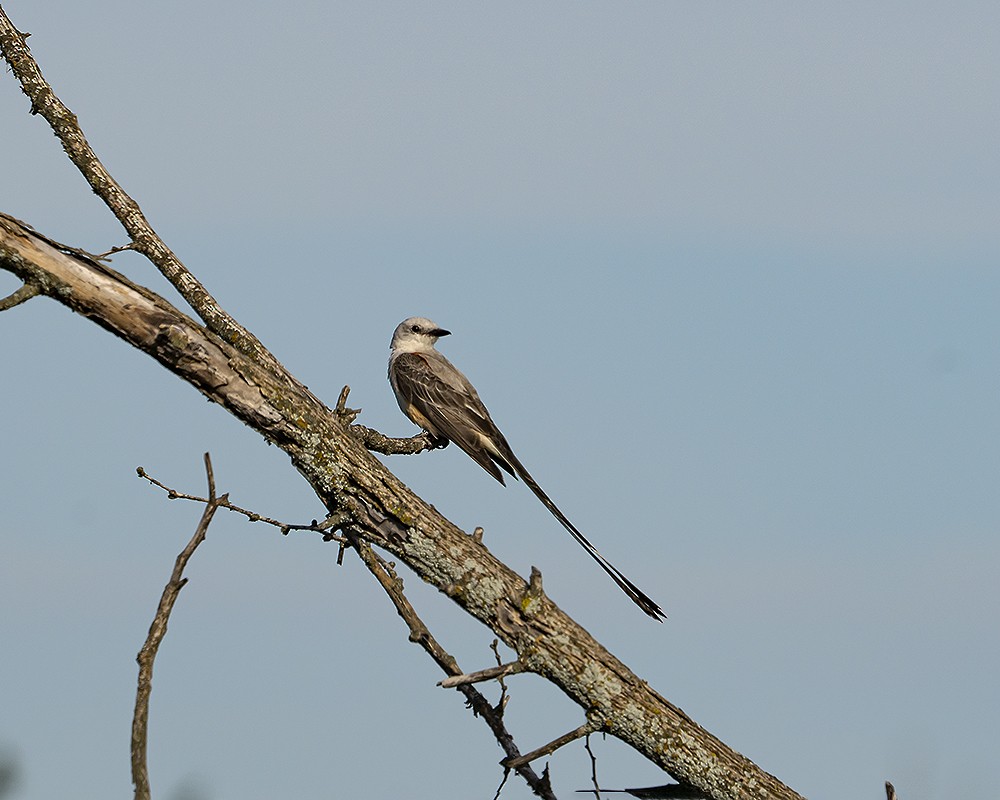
[727, 277]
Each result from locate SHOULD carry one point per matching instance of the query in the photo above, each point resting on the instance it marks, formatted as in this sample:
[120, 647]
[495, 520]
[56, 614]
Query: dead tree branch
[489, 674]
[380, 443]
[393, 586]
[145, 240]
[577, 733]
[326, 527]
[20, 295]
[389, 446]
[593, 767]
[349, 480]
[157, 630]
[230, 367]
[419, 634]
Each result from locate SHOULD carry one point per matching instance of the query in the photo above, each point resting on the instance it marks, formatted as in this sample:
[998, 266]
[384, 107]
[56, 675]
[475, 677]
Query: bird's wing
[434, 392]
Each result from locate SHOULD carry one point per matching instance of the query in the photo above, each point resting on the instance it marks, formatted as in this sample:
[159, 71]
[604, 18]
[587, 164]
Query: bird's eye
[415, 328]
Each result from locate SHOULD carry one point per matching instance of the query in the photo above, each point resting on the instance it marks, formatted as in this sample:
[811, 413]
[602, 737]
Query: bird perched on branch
[436, 396]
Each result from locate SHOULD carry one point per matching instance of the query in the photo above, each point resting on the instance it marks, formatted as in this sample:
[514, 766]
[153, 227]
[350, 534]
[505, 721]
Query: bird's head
[415, 334]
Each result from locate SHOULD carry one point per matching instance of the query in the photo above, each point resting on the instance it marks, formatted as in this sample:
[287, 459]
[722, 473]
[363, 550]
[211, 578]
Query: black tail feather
[637, 596]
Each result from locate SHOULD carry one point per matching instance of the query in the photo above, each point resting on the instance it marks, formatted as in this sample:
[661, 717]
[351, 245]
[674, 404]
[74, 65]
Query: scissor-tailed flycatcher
[440, 399]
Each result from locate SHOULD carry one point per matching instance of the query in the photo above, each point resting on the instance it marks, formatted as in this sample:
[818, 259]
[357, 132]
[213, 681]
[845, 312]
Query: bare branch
[326, 527]
[145, 240]
[503, 782]
[389, 446]
[21, 295]
[495, 647]
[420, 634]
[157, 630]
[483, 675]
[593, 767]
[379, 442]
[105, 256]
[584, 730]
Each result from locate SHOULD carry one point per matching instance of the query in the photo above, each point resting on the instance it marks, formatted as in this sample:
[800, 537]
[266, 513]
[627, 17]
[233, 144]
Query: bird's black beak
[440, 332]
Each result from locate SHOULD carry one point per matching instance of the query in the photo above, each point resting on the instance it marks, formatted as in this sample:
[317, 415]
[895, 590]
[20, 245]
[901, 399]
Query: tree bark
[347, 478]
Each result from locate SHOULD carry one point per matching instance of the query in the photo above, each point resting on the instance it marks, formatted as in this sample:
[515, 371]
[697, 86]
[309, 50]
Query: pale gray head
[416, 334]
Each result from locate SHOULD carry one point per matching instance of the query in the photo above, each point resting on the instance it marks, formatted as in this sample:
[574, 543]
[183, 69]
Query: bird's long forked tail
[638, 597]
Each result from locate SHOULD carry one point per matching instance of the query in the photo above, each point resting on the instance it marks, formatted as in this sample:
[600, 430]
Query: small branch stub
[584, 730]
[21, 295]
[492, 673]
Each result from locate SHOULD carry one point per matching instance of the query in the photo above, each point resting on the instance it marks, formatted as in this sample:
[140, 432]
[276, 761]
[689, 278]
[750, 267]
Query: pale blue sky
[727, 277]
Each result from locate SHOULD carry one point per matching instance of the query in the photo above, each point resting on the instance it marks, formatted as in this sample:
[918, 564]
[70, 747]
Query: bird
[437, 397]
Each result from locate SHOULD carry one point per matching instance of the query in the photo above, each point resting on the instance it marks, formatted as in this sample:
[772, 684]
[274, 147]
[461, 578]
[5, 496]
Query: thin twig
[420, 634]
[108, 253]
[501, 705]
[326, 527]
[503, 782]
[487, 674]
[20, 295]
[157, 630]
[593, 767]
[551, 747]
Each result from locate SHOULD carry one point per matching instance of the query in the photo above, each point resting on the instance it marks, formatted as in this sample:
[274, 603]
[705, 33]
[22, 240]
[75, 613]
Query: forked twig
[157, 630]
[145, 240]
